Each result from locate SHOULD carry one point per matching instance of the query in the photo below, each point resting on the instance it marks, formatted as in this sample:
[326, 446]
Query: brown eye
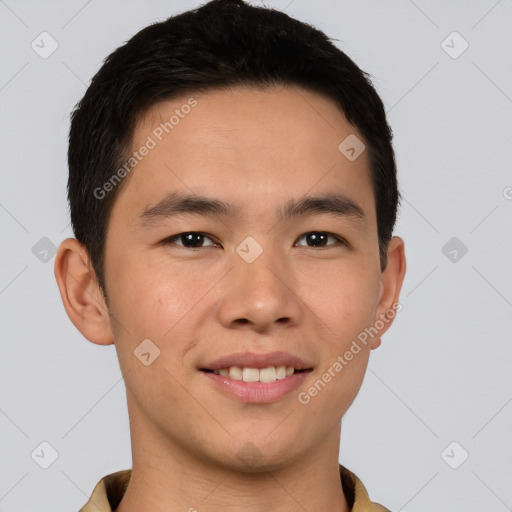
[190, 240]
[320, 238]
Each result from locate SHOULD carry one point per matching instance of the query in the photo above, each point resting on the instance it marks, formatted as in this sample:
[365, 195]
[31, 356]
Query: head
[229, 123]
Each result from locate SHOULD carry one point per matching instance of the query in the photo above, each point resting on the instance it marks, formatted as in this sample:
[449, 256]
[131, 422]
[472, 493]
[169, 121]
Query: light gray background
[443, 371]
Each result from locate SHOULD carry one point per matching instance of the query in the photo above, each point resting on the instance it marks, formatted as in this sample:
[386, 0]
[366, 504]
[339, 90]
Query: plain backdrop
[437, 391]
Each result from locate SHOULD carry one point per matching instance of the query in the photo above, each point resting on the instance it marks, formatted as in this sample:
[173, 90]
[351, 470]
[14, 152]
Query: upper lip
[253, 360]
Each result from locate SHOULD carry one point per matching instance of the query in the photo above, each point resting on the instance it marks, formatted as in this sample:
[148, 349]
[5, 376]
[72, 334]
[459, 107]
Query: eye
[197, 240]
[319, 239]
[190, 240]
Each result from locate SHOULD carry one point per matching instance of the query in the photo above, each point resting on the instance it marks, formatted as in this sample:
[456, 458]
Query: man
[233, 194]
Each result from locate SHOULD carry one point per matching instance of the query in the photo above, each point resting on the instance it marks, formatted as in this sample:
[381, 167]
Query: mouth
[267, 374]
[257, 378]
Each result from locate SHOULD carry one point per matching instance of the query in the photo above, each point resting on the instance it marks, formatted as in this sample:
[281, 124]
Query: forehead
[248, 114]
[246, 146]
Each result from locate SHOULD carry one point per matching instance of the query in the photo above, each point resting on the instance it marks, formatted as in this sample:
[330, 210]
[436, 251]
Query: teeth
[281, 372]
[268, 374]
[250, 375]
[235, 373]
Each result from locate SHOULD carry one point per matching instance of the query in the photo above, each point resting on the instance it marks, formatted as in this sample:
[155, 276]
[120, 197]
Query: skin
[255, 149]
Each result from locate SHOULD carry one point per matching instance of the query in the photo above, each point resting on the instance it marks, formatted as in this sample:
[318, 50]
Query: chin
[255, 456]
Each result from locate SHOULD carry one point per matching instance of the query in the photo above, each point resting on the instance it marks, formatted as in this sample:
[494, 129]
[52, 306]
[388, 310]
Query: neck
[166, 477]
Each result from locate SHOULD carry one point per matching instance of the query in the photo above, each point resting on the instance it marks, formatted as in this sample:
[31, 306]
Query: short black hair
[221, 44]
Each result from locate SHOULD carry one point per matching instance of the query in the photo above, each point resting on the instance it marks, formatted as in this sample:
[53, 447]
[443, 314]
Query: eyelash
[170, 240]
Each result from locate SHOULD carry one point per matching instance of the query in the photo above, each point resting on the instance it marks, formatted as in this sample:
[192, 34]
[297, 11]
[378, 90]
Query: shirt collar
[109, 491]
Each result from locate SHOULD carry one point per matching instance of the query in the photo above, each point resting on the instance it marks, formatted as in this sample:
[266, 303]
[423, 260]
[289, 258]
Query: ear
[391, 284]
[82, 297]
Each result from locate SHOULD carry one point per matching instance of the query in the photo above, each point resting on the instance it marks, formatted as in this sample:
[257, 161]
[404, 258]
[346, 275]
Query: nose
[260, 296]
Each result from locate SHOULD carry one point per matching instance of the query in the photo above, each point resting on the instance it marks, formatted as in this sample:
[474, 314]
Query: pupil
[189, 238]
[317, 238]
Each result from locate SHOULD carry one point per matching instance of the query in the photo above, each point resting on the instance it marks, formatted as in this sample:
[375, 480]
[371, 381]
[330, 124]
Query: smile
[257, 378]
[268, 374]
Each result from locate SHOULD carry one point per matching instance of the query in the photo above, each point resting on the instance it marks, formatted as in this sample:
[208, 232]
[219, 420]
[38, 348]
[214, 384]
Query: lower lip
[257, 392]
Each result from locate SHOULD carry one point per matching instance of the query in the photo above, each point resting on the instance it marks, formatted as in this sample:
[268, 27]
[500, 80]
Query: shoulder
[108, 492]
[356, 493]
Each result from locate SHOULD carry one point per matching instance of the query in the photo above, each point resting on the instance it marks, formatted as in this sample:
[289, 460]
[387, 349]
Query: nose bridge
[260, 289]
[261, 275]
[264, 275]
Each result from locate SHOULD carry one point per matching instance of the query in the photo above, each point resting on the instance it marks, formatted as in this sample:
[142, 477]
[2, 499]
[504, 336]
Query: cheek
[147, 303]
[150, 295]
[345, 305]
[334, 389]
[345, 299]
[152, 307]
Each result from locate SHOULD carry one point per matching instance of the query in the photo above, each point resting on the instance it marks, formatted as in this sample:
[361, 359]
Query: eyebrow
[175, 204]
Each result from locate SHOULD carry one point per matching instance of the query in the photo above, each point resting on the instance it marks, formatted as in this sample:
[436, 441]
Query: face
[247, 273]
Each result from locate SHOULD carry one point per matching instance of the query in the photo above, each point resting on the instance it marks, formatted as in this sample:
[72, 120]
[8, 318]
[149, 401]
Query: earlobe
[375, 343]
[81, 296]
[391, 283]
